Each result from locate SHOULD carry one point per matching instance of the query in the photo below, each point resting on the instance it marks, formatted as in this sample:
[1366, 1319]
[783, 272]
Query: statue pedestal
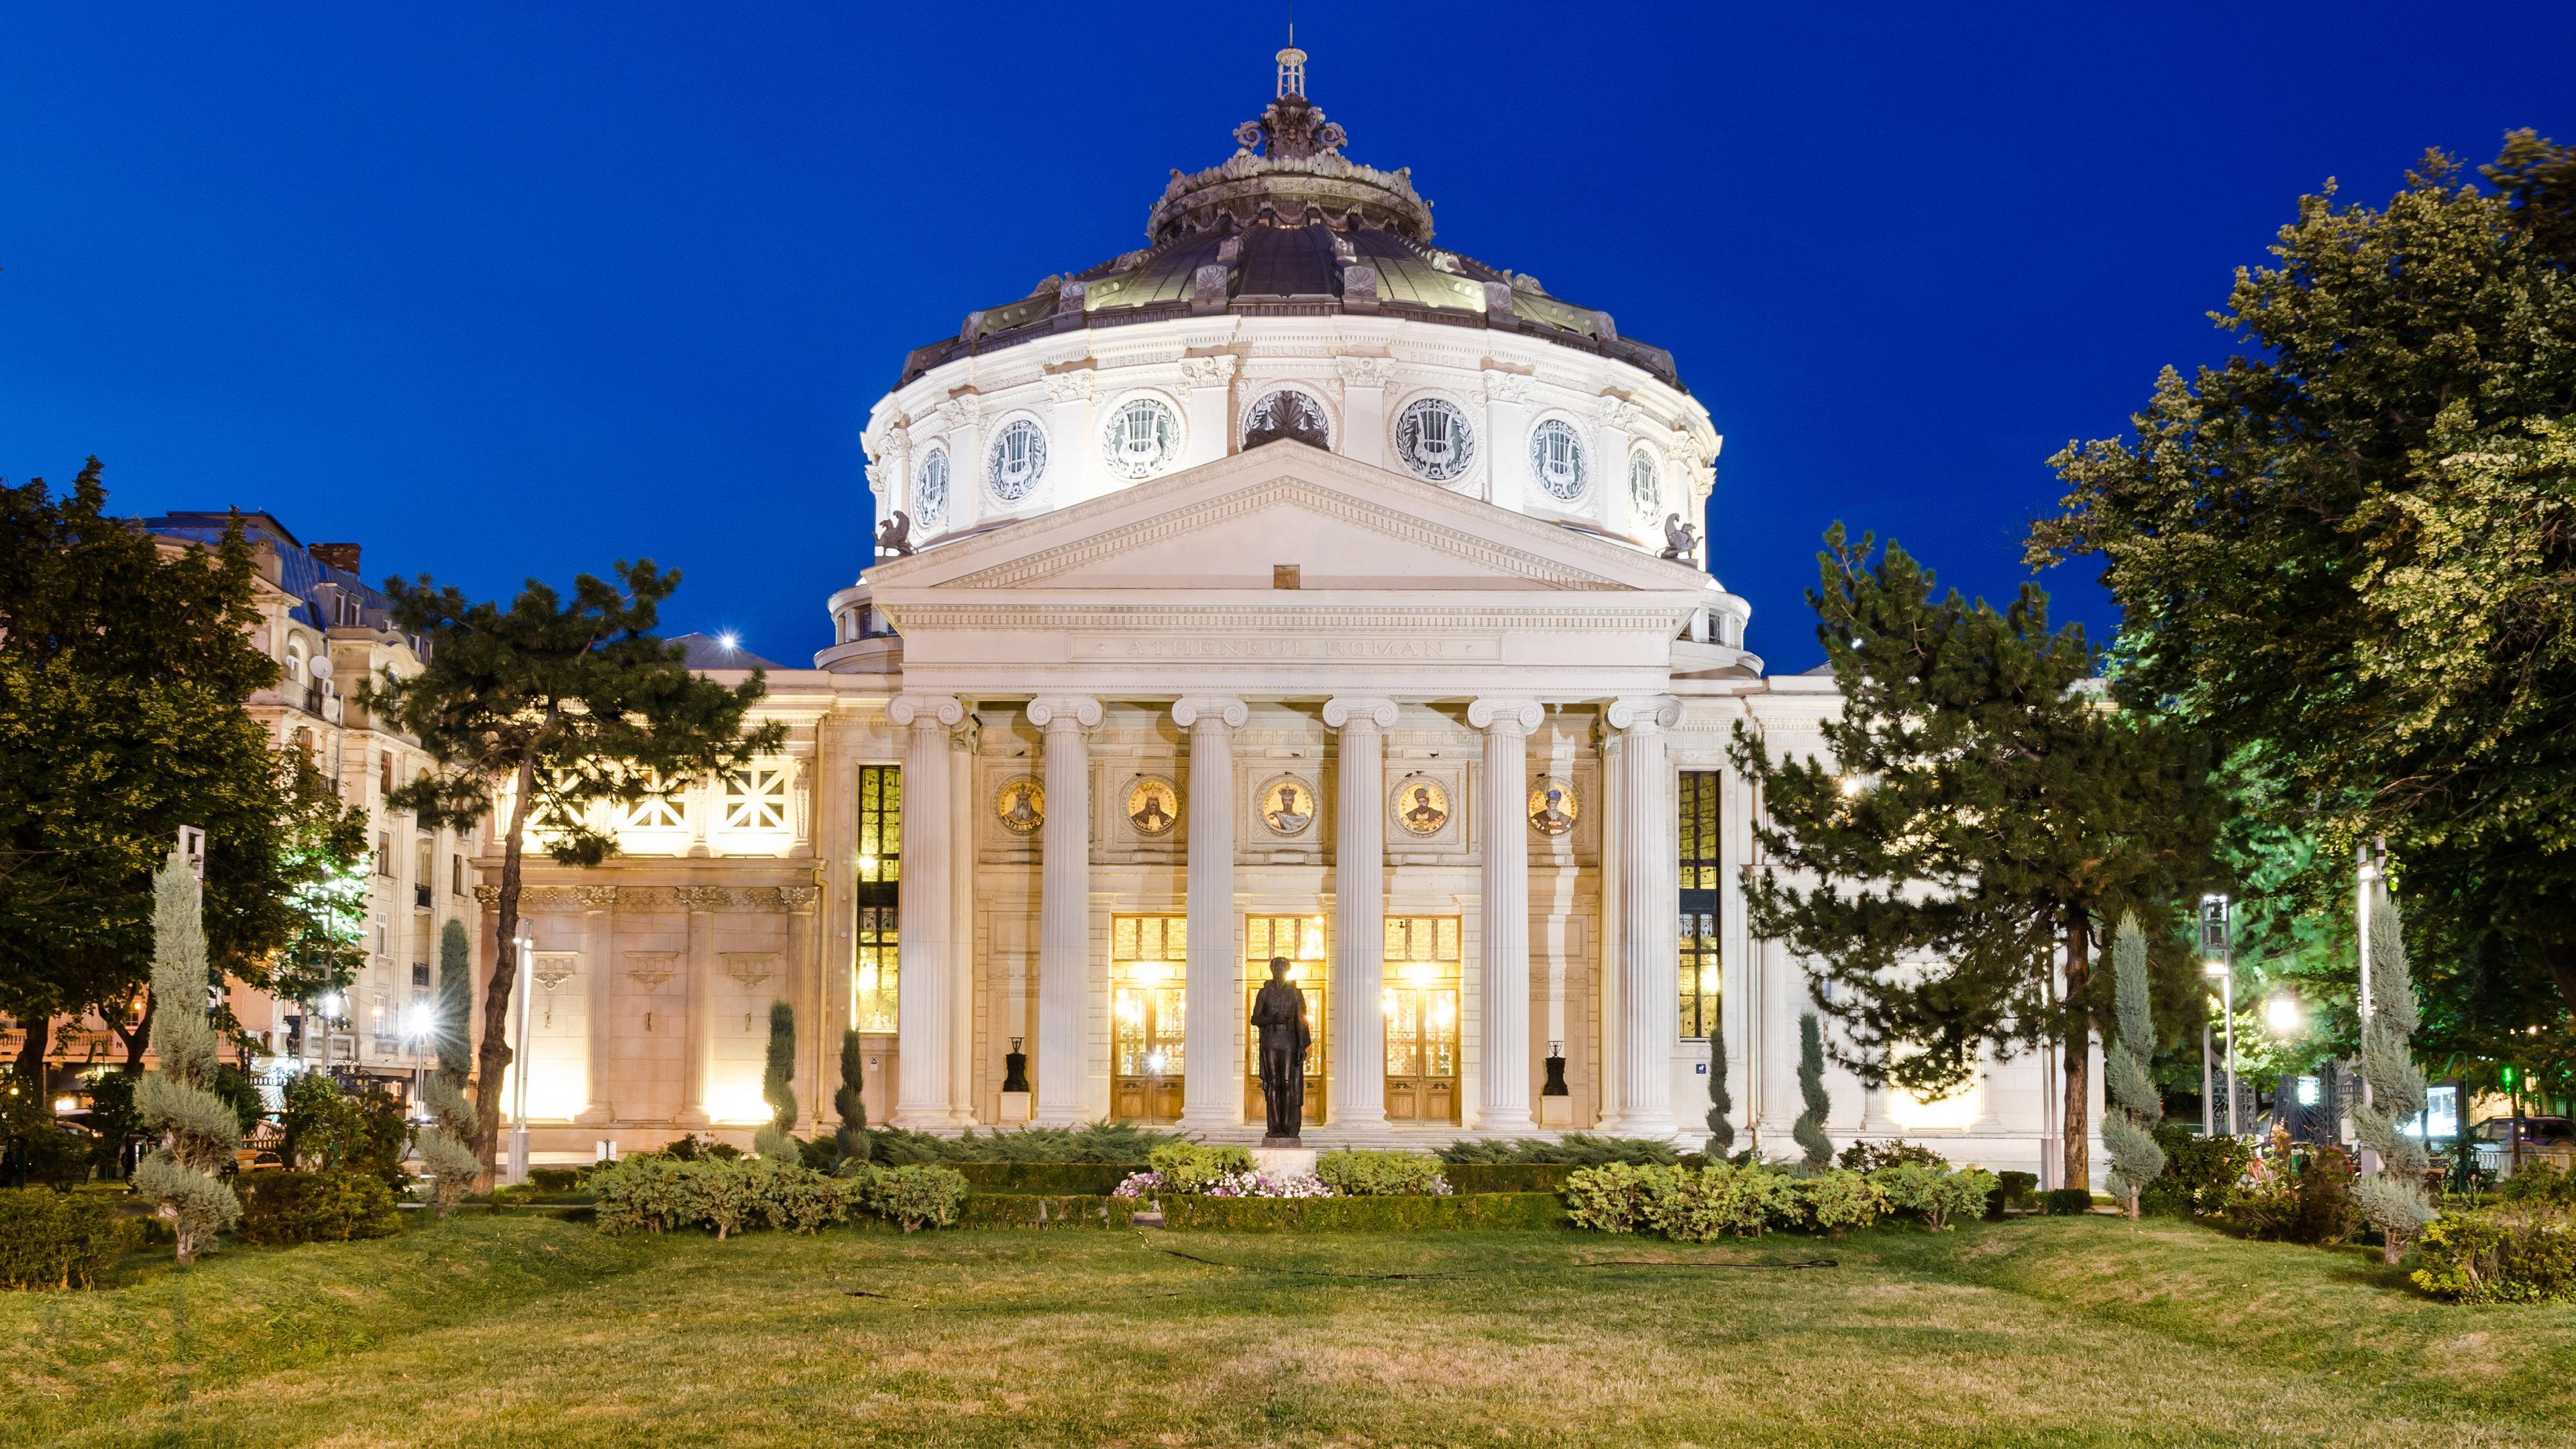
[1284, 1161]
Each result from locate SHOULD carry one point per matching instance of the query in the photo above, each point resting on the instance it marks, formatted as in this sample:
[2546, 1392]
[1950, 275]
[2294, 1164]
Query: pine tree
[850, 1139]
[2393, 1197]
[1985, 812]
[552, 706]
[1721, 1132]
[1809, 1132]
[198, 1128]
[778, 1088]
[455, 1003]
[2136, 1160]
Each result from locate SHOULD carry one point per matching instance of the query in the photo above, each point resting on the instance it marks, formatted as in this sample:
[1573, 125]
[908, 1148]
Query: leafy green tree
[850, 1138]
[124, 662]
[2349, 554]
[555, 705]
[1721, 1132]
[778, 1088]
[2393, 1197]
[1987, 811]
[1809, 1130]
[2128, 1128]
[178, 1100]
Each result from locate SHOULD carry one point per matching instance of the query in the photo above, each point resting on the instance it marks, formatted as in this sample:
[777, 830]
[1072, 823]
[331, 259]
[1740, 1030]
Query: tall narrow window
[1700, 965]
[880, 880]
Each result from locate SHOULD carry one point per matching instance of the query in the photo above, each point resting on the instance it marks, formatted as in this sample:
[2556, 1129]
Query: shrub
[314, 1207]
[1381, 1174]
[1611, 1198]
[1116, 1142]
[1189, 1167]
[2524, 1255]
[1688, 1204]
[1472, 1177]
[1838, 1199]
[689, 1147]
[650, 1192]
[2012, 1190]
[2200, 1169]
[914, 1197]
[2066, 1202]
[2310, 1203]
[1936, 1197]
[554, 1179]
[1581, 1149]
[1871, 1156]
[2538, 1183]
[51, 1239]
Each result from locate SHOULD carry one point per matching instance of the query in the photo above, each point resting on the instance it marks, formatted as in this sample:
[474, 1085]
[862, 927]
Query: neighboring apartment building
[327, 630]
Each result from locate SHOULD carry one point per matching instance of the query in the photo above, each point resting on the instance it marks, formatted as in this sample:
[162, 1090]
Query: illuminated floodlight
[2282, 1014]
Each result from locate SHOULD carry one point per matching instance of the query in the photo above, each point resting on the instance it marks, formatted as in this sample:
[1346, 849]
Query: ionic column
[1504, 1102]
[922, 993]
[1212, 1032]
[1064, 906]
[597, 932]
[699, 980]
[1649, 948]
[1357, 1047]
[804, 989]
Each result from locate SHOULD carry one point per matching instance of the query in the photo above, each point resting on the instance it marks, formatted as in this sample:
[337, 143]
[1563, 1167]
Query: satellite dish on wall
[321, 666]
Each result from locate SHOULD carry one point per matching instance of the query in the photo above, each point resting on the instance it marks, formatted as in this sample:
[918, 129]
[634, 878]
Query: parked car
[2543, 1132]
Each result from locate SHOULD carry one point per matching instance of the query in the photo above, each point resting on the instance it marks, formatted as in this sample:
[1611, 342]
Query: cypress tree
[778, 1088]
[850, 1139]
[1810, 1129]
[2136, 1160]
[2393, 1197]
[1721, 1132]
[455, 1002]
[197, 1127]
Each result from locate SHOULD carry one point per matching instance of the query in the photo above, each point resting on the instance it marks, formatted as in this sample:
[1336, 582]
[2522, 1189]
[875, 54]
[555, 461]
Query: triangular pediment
[1232, 524]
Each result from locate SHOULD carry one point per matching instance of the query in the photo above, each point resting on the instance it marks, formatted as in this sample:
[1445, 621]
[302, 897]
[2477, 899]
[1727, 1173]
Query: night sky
[501, 291]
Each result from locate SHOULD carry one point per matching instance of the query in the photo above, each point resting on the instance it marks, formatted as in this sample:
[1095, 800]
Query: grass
[505, 1330]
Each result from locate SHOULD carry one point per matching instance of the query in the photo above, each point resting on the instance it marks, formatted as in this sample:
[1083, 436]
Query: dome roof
[1289, 227]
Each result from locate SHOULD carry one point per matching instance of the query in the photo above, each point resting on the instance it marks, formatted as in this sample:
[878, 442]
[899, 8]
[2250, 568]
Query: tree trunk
[2075, 1123]
[492, 1058]
[137, 1040]
[2560, 959]
[39, 1031]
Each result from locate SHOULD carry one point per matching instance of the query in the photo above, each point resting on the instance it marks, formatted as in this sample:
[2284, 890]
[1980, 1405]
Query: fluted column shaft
[698, 976]
[597, 928]
[1504, 1047]
[1064, 905]
[1212, 1032]
[1649, 948]
[1357, 1048]
[922, 989]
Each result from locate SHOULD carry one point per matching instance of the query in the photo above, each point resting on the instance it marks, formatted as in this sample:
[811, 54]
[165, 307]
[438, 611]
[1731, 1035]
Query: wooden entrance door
[1148, 1016]
[1421, 1008]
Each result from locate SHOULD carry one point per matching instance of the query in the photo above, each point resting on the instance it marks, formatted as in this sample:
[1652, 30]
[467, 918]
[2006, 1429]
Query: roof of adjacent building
[298, 571]
[1297, 230]
[714, 651]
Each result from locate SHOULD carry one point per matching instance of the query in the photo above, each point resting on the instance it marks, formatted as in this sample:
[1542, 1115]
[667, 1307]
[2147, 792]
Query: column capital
[1521, 715]
[1343, 711]
[1073, 711]
[1214, 708]
[1632, 712]
[946, 709]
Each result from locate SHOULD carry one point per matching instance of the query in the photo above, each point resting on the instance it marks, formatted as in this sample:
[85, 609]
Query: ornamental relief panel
[536, 900]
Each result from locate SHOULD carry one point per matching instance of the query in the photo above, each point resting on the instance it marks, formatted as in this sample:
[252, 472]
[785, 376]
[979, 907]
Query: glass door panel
[1301, 940]
[1421, 1009]
[1148, 1016]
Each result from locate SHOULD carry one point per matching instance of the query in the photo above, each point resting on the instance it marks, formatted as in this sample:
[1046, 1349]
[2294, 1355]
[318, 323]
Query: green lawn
[490, 1331]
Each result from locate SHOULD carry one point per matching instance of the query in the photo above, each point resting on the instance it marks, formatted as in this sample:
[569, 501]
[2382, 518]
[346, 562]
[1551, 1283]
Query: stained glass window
[1700, 964]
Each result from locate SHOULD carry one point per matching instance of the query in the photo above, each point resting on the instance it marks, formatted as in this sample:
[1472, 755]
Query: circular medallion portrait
[1421, 806]
[1153, 806]
[1287, 805]
[1021, 806]
[1552, 806]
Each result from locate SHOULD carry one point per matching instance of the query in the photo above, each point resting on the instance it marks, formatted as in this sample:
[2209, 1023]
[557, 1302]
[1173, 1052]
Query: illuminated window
[756, 799]
[880, 872]
[1420, 1000]
[1700, 966]
[661, 810]
[1148, 1015]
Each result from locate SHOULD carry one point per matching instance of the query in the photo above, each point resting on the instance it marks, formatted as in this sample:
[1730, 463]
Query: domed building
[1291, 585]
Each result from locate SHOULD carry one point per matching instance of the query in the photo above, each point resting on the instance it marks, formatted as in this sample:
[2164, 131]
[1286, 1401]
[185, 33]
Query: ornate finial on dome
[1292, 66]
[1291, 127]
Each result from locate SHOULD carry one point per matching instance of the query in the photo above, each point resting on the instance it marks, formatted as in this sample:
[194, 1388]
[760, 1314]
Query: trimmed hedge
[2511, 1255]
[52, 1239]
[1045, 1210]
[1474, 1177]
[657, 1194]
[1047, 1178]
[1482, 1212]
[315, 1207]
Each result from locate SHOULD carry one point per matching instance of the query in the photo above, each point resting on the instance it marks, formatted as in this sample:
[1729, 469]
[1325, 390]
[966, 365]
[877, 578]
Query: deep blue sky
[513, 290]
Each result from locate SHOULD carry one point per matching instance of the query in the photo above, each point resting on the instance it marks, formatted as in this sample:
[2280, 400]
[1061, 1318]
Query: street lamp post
[2218, 961]
[2368, 872]
[520, 1060]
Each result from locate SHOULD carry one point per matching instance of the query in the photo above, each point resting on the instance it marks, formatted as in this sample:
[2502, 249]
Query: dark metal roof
[1287, 227]
[709, 651]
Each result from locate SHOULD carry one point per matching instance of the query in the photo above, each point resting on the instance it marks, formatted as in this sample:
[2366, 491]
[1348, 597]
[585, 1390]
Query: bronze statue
[1279, 1014]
